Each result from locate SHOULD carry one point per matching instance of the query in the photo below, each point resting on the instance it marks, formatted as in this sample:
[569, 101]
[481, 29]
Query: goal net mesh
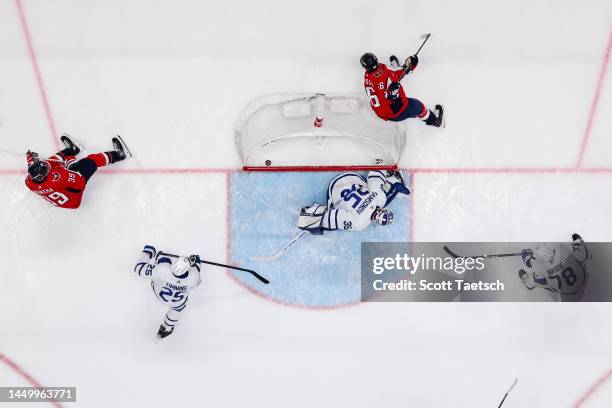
[279, 132]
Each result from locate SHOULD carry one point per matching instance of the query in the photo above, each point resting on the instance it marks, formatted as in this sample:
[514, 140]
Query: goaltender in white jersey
[172, 278]
[354, 202]
[558, 268]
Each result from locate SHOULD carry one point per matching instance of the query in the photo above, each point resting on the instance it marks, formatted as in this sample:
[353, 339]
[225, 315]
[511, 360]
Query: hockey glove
[411, 63]
[526, 279]
[194, 260]
[311, 217]
[31, 157]
[527, 256]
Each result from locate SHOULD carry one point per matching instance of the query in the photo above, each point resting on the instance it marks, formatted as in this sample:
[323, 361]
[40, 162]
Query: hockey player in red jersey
[387, 97]
[61, 179]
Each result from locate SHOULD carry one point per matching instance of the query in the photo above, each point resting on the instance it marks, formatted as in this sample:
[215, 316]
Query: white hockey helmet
[180, 267]
[382, 216]
[544, 253]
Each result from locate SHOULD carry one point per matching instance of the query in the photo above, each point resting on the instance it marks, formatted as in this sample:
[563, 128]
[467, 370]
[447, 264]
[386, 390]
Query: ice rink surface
[526, 156]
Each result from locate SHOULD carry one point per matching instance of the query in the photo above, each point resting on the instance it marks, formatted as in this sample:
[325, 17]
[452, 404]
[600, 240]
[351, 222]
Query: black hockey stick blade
[252, 272]
[451, 253]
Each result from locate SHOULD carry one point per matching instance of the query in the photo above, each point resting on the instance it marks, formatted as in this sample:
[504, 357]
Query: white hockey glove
[311, 217]
[526, 279]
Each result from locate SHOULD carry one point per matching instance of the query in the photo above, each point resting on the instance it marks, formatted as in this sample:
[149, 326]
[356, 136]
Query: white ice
[517, 79]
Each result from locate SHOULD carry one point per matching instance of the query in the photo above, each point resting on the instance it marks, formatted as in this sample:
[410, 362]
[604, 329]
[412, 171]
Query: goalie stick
[454, 255]
[252, 272]
[281, 251]
[508, 392]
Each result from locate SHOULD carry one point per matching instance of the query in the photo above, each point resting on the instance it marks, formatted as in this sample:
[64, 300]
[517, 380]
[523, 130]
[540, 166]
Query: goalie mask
[382, 216]
[39, 171]
[180, 267]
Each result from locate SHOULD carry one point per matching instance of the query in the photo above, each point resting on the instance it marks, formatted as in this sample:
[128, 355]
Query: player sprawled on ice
[61, 178]
[354, 202]
[172, 278]
[558, 268]
[387, 96]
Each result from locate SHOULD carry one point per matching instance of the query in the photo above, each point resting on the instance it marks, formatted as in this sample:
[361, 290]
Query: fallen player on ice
[61, 179]
[172, 278]
[353, 202]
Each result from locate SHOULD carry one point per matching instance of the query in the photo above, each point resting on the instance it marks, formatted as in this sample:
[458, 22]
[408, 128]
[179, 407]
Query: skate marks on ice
[318, 271]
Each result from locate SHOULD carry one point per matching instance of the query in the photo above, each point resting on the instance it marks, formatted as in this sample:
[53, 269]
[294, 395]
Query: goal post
[316, 132]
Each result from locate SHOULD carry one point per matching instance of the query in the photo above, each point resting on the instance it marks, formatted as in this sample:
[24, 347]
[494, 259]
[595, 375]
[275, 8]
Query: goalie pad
[311, 217]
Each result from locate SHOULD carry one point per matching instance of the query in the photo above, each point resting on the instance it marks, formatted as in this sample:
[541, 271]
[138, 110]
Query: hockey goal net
[311, 132]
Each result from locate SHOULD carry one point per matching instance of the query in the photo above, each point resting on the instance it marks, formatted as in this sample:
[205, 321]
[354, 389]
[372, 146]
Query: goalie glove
[311, 217]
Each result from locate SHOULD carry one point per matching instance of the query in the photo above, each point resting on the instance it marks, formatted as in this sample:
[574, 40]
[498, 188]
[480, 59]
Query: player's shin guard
[106, 158]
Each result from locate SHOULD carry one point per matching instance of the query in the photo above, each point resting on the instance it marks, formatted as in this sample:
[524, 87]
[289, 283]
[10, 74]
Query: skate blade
[127, 149]
[76, 141]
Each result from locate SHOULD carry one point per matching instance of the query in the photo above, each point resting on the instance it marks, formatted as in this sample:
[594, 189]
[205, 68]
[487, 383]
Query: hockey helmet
[544, 253]
[382, 216]
[39, 171]
[180, 267]
[369, 62]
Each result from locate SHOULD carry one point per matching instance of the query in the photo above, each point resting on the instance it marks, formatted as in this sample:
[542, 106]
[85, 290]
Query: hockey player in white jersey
[558, 268]
[172, 278]
[353, 202]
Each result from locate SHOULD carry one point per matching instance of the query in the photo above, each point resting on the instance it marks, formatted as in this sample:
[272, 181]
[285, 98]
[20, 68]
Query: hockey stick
[280, 252]
[425, 37]
[252, 272]
[454, 255]
[508, 392]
